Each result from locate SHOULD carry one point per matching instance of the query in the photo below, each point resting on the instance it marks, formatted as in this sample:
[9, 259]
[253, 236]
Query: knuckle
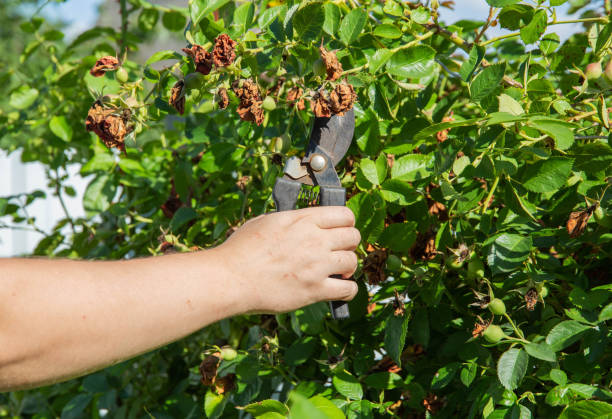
[349, 215]
[357, 237]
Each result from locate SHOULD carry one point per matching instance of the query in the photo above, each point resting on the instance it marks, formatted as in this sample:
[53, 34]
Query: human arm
[60, 318]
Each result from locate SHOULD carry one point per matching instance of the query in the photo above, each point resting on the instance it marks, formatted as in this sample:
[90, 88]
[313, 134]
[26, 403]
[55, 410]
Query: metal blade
[333, 135]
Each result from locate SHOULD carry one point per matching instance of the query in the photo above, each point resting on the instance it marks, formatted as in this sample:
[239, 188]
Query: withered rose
[208, 368]
[223, 98]
[250, 101]
[111, 125]
[223, 52]
[201, 58]
[177, 97]
[332, 65]
[577, 222]
[103, 65]
[295, 94]
[342, 98]
[320, 105]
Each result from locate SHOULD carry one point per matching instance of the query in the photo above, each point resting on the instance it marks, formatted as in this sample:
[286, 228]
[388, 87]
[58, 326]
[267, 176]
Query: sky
[80, 15]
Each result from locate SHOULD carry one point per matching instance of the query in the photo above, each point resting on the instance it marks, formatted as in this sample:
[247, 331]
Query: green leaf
[59, 126]
[352, 25]
[508, 252]
[515, 16]
[369, 210]
[445, 375]
[164, 55]
[587, 409]
[75, 408]
[399, 192]
[604, 39]
[511, 367]
[549, 43]
[605, 314]
[147, 19]
[324, 405]
[383, 380]
[560, 131]
[412, 167]
[433, 129]
[214, 404]
[471, 64]
[414, 62]
[269, 15]
[199, 9]
[98, 194]
[378, 59]
[23, 97]
[300, 351]
[243, 16]
[174, 21]
[557, 2]
[332, 18]
[420, 15]
[536, 27]
[368, 169]
[308, 21]
[547, 175]
[266, 406]
[182, 217]
[468, 373]
[565, 333]
[509, 105]
[541, 351]
[395, 336]
[558, 376]
[302, 408]
[399, 237]
[487, 81]
[501, 3]
[386, 30]
[347, 385]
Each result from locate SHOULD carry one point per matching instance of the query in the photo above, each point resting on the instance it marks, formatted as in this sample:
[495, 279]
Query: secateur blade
[333, 135]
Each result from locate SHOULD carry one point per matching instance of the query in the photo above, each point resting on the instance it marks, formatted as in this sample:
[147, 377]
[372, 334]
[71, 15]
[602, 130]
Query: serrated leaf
[378, 59]
[541, 351]
[352, 25]
[605, 314]
[347, 385]
[471, 64]
[587, 409]
[23, 97]
[560, 131]
[565, 333]
[501, 3]
[265, 406]
[163, 55]
[487, 81]
[308, 21]
[535, 28]
[508, 252]
[199, 9]
[412, 167]
[395, 336]
[509, 105]
[445, 375]
[324, 405]
[547, 175]
[415, 62]
[332, 18]
[386, 30]
[511, 367]
[399, 192]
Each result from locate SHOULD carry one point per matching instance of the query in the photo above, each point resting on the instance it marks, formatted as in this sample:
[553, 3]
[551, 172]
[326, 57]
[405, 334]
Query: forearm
[62, 318]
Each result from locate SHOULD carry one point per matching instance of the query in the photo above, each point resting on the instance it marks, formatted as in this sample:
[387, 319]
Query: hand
[283, 261]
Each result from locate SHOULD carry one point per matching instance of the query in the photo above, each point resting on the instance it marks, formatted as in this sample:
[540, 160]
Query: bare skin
[61, 319]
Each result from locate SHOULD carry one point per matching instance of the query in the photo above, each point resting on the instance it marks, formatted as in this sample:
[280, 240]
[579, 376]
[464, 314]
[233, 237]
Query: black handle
[335, 197]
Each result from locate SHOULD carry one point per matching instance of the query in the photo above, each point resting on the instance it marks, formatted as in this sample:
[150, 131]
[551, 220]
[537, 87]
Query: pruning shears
[330, 139]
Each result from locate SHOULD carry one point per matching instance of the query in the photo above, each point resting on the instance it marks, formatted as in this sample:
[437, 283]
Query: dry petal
[374, 266]
[223, 98]
[110, 125]
[332, 65]
[320, 106]
[342, 98]
[202, 58]
[577, 222]
[295, 94]
[208, 368]
[223, 52]
[424, 247]
[250, 101]
[177, 97]
[531, 299]
[104, 64]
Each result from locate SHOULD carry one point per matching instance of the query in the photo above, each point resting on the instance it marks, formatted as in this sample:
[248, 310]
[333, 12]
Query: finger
[330, 217]
[343, 262]
[343, 238]
[339, 289]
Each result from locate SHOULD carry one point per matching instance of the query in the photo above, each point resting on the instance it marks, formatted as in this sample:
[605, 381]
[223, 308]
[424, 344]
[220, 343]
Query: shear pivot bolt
[317, 162]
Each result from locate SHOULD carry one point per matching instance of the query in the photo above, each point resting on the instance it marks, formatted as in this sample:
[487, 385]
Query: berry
[602, 218]
[228, 354]
[475, 268]
[497, 307]
[608, 72]
[493, 333]
[454, 263]
[543, 291]
[121, 75]
[280, 144]
[393, 264]
[268, 103]
[593, 71]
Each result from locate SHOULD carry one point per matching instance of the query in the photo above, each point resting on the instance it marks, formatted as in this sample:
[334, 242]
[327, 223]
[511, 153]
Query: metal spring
[308, 196]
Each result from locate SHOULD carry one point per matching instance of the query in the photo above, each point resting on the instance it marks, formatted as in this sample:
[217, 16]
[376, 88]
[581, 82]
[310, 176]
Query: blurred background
[75, 17]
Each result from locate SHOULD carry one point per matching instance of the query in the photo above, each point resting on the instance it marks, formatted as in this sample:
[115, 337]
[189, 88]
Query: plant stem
[124, 26]
[518, 331]
[485, 205]
[557, 22]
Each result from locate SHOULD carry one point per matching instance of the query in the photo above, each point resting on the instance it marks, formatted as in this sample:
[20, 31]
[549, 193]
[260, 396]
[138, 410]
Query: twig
[124, 26]
[486, 25]
[58, 192]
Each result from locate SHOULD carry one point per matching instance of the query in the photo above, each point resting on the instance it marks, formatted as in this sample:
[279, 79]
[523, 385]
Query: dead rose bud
[109, 124]
[577, 222]
[295, 94]
[320, 105]
[443, 135]
[104, 64]
[202, 58]
[177, 97]
[332, 65]
[222, 98]
[342, 98]
[208, 368]
[223, 52]
[250, 101]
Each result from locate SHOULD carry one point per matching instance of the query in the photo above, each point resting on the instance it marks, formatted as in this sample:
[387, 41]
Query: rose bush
[476, 167]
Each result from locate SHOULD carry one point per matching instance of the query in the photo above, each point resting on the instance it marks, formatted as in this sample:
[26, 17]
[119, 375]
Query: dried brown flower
[177, 97]
[295, 94]
[250, 101]
[398, 305]
[531, 299]
[443, 135]
[577, 222]
[342, 98]
[202, 58]
[225, 384]
[223, 98]
[320, 105]
[109, 124]
[332, 65]
[480, 326]
[223, 51]
[424, 248]
[374, 266]
[104, 64]
[208, 368]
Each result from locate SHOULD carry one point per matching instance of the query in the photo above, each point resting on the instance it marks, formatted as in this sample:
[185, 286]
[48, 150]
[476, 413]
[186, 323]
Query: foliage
[477, 161]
